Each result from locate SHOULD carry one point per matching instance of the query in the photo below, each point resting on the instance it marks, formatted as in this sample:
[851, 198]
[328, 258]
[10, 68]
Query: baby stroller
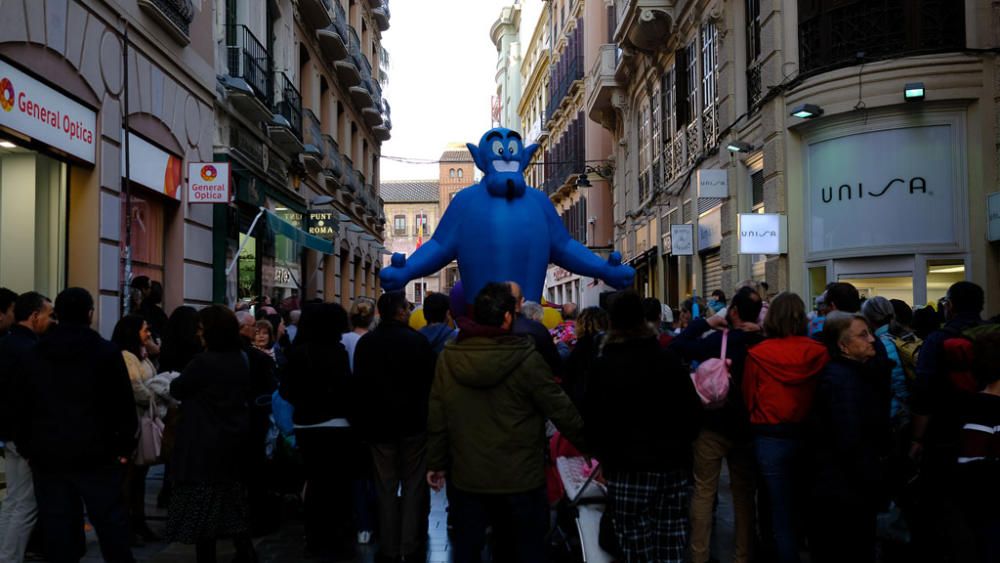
[580, 507]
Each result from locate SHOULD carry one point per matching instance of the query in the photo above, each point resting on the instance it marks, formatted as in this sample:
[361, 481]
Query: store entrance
[32, 221]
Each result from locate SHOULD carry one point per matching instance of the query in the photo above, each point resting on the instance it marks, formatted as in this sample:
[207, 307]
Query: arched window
[461, 172]
[451, 173]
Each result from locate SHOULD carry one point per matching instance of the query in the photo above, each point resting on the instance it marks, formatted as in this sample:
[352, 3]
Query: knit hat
[878, 310]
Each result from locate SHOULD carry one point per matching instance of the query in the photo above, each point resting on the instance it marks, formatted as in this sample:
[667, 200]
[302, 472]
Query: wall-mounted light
[913, 92]
[605, 171]
[739, 146]
[807, 111]
[7, 145]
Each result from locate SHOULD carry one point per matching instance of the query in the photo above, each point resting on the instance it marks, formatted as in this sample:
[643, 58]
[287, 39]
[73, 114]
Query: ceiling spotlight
[7, 145]
[739, 146]
[807, 111]
[914, 91]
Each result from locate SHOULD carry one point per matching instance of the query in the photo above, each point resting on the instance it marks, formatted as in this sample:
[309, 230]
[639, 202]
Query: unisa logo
[6, 94]
[208, 173]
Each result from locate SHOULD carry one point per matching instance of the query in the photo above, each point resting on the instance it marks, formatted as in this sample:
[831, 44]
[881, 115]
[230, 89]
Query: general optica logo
[209, 173]
[6, 94]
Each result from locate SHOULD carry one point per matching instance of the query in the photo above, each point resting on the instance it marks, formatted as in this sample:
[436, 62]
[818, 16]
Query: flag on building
[420, 229]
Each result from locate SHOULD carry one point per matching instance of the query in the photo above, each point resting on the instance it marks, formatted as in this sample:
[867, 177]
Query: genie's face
[503, 158]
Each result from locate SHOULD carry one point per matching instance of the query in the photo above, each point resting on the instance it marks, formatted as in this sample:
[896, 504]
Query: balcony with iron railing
[362, 93]
[601, 85]
[383, 131]
[382, 16]
[249, 71]
[334, 39]
[333, 163]
[316, 13]
[314, 147]
[349, 69]
[348, 175]
[755, 91]
[285, 127]
[173, 15]
[562, 81]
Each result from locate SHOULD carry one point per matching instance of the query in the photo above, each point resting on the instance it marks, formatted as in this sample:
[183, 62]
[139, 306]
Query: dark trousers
[841, 529]
[402, 519]
[61, 499]
[329, 456]
[135, 496]
[521, 518]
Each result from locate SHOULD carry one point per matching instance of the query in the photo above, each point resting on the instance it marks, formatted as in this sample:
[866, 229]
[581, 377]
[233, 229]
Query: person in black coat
[317, 382]
[395, 366]
[523, 326]
[850, 441]
[591, 326]
[726, 430]
[76, 426]
[209, 498]
[641, 413]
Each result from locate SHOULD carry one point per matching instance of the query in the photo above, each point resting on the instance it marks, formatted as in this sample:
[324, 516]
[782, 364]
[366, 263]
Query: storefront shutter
[711, 267]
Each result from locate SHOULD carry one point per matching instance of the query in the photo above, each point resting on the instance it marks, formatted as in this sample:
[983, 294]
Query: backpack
[958, 355]
[909, 351]
[711, 378]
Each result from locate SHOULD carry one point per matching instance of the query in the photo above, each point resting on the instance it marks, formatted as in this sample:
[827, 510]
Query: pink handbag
[150, 437]
[711, 378]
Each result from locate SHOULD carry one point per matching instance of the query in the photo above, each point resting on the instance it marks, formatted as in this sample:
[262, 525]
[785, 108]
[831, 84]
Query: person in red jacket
[779, 381]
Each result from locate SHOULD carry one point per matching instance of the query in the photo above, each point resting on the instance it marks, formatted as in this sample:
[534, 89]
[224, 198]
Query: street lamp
[605, 171]
[807, 111]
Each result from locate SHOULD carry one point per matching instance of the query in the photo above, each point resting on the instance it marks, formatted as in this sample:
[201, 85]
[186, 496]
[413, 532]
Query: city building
[578, 158]
[505, 34]
[70, 105]
[802, 143]
[301, 120]
[412, 211]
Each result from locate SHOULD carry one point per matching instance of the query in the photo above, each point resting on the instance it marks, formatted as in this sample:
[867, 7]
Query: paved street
[283, 546]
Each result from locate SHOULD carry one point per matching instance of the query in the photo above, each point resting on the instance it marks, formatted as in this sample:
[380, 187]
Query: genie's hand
[616, 275]
[393, 278]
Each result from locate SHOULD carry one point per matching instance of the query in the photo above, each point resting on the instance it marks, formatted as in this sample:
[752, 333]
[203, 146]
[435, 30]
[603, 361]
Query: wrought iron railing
[832, 36]
[249, 60]
[340, 20]
[246, 143]
[754, 87]
[710, 126]
[332, 162]
[354, 47]
[288, 102]
[312, 133]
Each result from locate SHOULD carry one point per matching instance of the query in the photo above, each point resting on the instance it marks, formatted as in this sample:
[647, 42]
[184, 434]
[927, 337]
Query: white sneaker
[365, 537]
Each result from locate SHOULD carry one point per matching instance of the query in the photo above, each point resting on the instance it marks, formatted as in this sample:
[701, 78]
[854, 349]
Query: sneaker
[365, 537]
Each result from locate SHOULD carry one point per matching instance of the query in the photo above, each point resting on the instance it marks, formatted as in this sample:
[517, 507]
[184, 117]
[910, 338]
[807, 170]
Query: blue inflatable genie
[499, 230]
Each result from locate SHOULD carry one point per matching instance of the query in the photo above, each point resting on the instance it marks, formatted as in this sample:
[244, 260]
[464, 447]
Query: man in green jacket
[486, 426]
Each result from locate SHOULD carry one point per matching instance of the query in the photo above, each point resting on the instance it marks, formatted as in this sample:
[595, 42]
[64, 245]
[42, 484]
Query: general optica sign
[208, 182]
[30, 107]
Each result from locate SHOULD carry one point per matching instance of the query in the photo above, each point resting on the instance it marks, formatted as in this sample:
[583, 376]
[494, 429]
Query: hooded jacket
[438, 334]
[488, 405]
[779, 379]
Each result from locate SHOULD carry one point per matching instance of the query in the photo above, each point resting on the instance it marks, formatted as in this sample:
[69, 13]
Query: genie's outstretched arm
[575, 257]
[430, 257]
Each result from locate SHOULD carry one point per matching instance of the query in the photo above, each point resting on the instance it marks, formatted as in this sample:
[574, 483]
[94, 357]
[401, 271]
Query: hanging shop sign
[711, 183]
[763, 233]
[153, 167]
[682, 240]
[322, 224]
[993, 216]
[208, 182]
[30, 107]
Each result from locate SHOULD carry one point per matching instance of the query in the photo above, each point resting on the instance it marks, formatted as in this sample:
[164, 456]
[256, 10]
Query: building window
[460, 172]
[399, 225]
[451, 173]
[147, 235]
[644, 159]
[421, 220]
[710, 84]
[656, 142]
[754, 89]
[691, 52]
[832, 32]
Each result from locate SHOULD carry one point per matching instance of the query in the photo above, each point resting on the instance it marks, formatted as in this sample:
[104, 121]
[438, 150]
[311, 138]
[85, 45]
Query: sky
[441, 76]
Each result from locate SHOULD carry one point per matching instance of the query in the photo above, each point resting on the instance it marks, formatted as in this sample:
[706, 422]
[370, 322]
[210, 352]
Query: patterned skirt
[206, 511]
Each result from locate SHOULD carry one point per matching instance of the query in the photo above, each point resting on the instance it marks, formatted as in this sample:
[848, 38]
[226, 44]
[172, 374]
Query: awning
[286, 229]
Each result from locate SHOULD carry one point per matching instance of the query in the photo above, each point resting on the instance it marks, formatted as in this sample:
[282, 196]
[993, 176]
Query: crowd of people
[862, 429]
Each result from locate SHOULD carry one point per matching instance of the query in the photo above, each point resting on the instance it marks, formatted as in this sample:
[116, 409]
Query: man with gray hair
[523, 326]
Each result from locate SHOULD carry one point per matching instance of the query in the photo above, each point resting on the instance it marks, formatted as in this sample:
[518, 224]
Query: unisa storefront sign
[30, 107]
[208, 182]
[763, 233]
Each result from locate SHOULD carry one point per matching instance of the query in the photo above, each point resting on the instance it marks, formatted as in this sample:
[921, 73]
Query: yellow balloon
[417, 320]
[551, 317]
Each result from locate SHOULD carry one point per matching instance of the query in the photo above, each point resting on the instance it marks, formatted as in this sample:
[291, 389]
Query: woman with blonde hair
[362, 314]
[779, 381]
